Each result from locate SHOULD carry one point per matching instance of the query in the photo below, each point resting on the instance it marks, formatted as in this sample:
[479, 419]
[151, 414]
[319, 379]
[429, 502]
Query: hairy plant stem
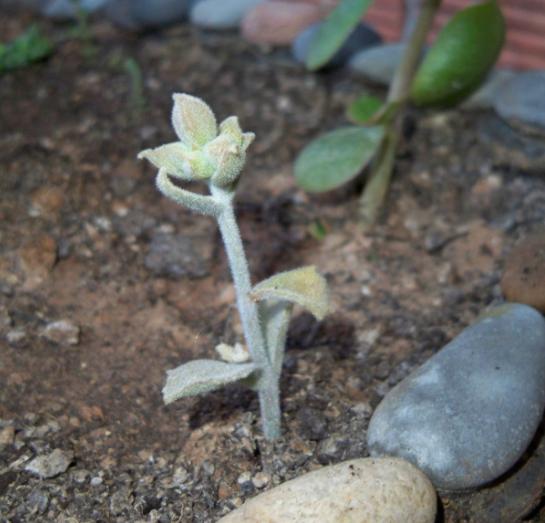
[376, 188]
[268, 387]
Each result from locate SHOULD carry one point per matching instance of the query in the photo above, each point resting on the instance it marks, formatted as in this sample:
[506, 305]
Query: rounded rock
[143, 14]
[361, 490]
[521, 99]
[219, 14]
[279, 22]
[378, 64]
[467, 415]
[523, 279]
[362, 37]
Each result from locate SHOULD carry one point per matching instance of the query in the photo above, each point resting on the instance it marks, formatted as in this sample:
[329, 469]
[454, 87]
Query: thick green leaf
[303, 286]
[336, 157]
[334, 31]
[28, 47]
[361, 110]
[200, 376]
[461, 57]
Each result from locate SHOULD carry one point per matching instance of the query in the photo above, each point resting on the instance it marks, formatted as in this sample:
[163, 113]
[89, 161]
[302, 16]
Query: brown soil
[79, 217]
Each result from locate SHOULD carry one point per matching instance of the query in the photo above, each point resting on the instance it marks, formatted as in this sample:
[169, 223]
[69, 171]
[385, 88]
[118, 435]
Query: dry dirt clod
[7, 435]
[37, 258]
[47, 201]
[523, 279]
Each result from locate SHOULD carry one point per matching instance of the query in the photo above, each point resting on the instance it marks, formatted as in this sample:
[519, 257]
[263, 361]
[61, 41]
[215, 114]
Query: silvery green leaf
[193, 121]
[303, 286]
[172, 157]
[200, 376]
[275, 318]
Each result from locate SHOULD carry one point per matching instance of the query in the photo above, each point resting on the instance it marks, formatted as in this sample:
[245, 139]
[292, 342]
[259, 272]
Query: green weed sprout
[29, 47]
[216, 157]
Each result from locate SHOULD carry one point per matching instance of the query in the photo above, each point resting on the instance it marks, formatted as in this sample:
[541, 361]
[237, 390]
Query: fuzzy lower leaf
[303, 286]
[334, 31]
[461, 57]
[200, 376]
[336, 157]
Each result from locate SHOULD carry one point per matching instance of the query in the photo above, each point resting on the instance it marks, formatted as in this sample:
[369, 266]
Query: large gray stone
[523, 98]
[468, 414]
[220, 14]
[485, 96]
[379, 63]
[362, 37]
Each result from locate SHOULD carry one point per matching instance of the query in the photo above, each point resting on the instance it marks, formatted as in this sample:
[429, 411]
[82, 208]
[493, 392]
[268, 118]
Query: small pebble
[523, 278]
[62, 332]
[15, 336]
[362, 490]
[143, 14]
[80, 476]
[467, 415]
[38, 501]
[50, 465]
[219, 14]
[260, 480]
[96, 481]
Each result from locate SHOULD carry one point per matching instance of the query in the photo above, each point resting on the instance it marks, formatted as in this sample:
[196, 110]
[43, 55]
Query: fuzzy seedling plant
[216, 156]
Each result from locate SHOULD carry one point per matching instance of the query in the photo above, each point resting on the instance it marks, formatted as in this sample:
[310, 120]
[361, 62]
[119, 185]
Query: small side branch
[196, 202]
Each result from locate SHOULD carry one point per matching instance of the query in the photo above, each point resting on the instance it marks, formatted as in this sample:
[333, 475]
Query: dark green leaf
[334, 31]
[461, 57]
[336, 157]
[28, 47]
[361, 110]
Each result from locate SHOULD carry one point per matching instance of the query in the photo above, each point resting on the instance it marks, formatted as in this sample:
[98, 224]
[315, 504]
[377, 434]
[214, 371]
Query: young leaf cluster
[215, 154]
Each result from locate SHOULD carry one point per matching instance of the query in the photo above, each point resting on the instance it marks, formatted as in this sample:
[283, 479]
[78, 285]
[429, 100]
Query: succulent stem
[378, 180]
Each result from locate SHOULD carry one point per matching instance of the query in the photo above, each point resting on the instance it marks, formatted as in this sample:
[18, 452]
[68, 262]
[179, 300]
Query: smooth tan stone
[279, 22]
[370, 490]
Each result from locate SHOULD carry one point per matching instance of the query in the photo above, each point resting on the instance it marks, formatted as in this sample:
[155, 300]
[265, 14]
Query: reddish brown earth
[79, 217]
